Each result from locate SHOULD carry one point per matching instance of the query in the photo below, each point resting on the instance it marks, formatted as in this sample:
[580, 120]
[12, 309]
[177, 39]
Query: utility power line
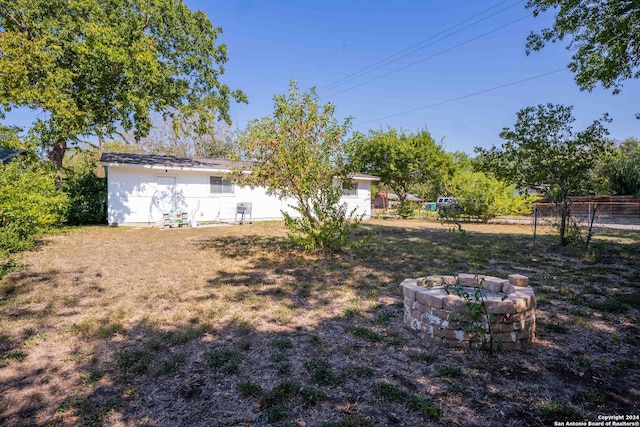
[396, 56]
[463, 97]
[428, 57]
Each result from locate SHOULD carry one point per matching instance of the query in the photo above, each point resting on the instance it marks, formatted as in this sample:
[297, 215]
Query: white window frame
[350, 189]
[225, 181]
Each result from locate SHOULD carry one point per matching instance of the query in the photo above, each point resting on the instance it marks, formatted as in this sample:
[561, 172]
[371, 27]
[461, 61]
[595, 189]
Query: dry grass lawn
[233, 326]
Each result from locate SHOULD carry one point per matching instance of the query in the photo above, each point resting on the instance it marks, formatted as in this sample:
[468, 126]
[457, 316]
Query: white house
[144, 188]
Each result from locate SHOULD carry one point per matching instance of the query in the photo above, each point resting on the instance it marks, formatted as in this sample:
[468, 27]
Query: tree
[298, 153]
[621, 168]
[164, 139]
[605, 38]
[482, 196]
[94, 65]
[544, 151]
[401, 160]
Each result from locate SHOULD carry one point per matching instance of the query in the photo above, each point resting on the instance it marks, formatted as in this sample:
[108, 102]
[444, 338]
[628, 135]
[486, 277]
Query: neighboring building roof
[7, 154]
[159, 161]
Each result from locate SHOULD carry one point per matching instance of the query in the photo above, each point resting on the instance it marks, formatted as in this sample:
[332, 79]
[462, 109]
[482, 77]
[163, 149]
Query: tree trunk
[564, 216]
[56, 156]
[99, 173]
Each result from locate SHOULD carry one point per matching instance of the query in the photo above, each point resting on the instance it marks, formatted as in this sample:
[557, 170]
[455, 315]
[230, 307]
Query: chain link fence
[603, 211]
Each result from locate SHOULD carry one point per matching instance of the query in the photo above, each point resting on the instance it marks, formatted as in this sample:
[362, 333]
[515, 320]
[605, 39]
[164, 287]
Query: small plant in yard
[477, 318]
[91, 327]
[281, 361]
[6, 266]
[384, 317]
[616, 339]
[459, 390]
[173, 338]
[392, 393]
[352, 310]
[283, 343]
[583, 362]
[249, 389]
[321, 372]
[223, 359]
[174, 363]
[282, 315]
[350, 420]
[395, 340]
[16, 355]
[315, 340]
[91, 411]
[552, 411]
[359, 371]
[243, 325]
[274, 403]
[280, 358]
[620, 367]
[421, 356]
[450, 372]
[366, 333]
[91, 378]
[496, 395]
[557, 328]
[283, 367]
[133, 360]
[631, 341]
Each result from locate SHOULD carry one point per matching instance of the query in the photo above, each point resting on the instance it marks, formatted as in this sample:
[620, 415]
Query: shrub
[327, 226]
[485, 197]
[30, 204]
[87, 197]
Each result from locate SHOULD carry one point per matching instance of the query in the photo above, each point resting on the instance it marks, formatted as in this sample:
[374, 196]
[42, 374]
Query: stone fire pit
[432, 307]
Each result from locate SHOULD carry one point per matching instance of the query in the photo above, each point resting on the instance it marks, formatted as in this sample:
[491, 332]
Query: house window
[349, 188]
[220, 185]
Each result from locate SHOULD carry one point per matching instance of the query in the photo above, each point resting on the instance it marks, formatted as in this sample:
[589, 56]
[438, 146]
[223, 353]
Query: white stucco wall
[136, 198]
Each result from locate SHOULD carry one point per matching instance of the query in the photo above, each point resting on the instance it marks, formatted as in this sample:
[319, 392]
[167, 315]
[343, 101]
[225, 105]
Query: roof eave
[170, 167]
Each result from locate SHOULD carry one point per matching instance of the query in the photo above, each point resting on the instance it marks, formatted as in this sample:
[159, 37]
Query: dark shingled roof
[170, 161]
[7, 154]
[185, 162]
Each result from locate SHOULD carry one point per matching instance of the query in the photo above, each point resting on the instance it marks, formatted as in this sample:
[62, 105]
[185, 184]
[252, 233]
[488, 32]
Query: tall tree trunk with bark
[56, 156]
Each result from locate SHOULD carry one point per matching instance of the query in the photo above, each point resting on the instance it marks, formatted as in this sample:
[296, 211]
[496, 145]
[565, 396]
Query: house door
[164, 198]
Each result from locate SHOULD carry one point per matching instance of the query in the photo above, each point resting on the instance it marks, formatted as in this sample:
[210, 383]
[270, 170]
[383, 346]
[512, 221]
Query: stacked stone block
[438, 314]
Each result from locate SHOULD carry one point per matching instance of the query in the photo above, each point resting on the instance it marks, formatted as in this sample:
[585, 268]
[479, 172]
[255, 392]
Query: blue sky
[320, 42]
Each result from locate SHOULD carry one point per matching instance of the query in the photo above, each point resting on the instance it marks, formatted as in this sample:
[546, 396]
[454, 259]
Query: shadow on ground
[359, 366]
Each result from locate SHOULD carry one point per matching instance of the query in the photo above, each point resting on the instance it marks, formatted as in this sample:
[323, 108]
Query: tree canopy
[604, 38]
[480, 194]
[95, 65]
[543, 150]
[484, 197]
[163, 139]
[620, 169]
[298, 153]
[401, 160]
